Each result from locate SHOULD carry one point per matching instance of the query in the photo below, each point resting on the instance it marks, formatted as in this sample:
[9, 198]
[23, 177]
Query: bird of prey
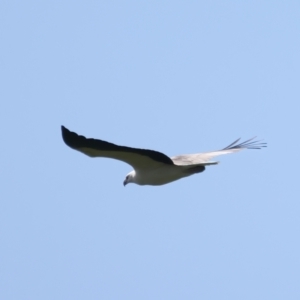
[152, 167]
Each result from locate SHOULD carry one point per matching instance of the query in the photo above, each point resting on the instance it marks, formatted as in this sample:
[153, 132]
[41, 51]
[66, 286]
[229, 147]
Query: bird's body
[164, 174]
[152, 167]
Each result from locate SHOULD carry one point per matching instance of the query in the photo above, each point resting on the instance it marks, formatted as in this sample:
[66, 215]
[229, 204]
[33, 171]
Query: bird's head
[129, 178]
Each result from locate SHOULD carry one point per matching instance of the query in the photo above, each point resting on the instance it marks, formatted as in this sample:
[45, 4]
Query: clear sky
[175, 76]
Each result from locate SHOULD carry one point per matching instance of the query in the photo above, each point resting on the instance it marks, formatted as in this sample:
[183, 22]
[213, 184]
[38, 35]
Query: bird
[152, 167]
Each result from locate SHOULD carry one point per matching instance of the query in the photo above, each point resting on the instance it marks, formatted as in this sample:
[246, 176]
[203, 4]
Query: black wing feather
[76, 142]
[249, 144]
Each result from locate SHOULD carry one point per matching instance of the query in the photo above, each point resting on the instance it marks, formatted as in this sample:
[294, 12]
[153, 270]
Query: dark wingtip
[249, 144]
[64, 131]
[70, 138]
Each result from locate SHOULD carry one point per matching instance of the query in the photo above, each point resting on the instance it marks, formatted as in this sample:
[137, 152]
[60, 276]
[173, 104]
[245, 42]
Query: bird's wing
[137, 158]
[205, 157]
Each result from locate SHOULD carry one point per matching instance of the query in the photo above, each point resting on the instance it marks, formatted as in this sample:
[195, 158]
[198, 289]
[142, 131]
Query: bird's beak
[125, 182]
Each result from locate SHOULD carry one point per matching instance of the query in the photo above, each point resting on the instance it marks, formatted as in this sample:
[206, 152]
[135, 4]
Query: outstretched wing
[137, 158]
[205, 158]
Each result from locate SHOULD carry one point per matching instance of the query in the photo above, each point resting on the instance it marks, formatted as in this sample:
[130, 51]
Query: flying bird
[152, 167]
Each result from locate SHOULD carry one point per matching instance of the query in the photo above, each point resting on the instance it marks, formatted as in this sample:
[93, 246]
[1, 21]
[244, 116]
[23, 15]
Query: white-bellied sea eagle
[152, 167]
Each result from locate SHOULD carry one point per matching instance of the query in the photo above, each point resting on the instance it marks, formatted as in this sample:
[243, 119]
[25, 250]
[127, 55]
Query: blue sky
[174, 76]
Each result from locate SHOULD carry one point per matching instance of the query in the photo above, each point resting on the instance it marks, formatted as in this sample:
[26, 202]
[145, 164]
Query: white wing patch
[205, 157]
